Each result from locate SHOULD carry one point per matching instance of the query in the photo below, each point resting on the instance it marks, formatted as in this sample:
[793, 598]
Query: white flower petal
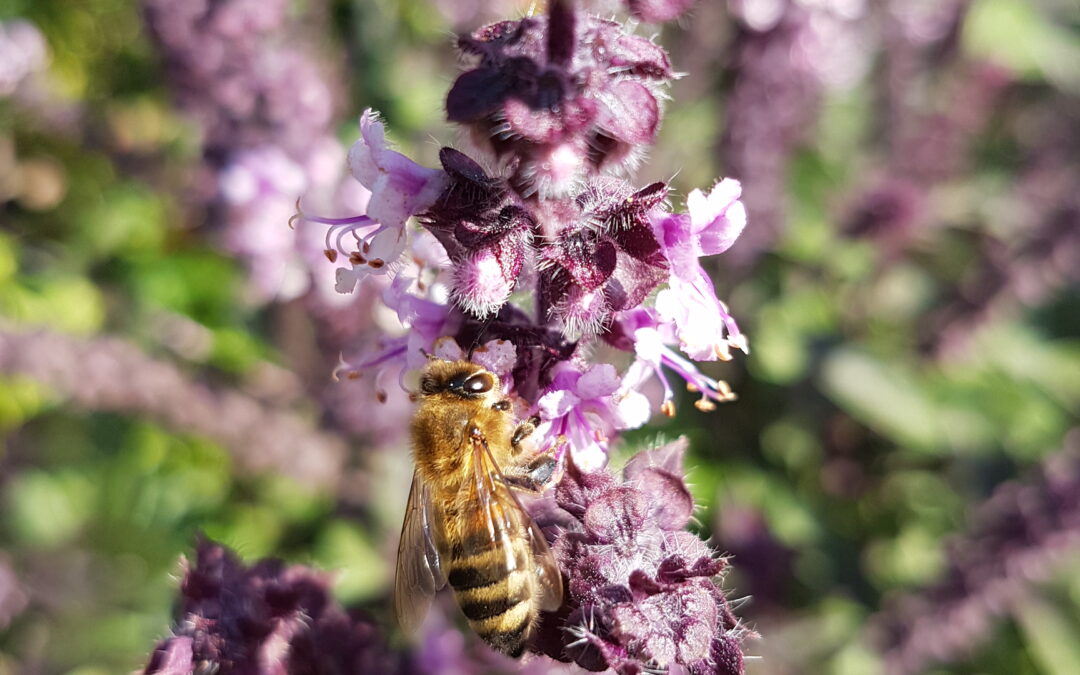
[648, 345]
[633, 409]
[597, 382]
[498, 356]
[557, 403]
[345, 280]
[386, 246]
[448, 349]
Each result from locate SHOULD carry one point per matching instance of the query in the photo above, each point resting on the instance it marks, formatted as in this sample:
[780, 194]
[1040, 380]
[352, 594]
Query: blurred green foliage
[860, 452]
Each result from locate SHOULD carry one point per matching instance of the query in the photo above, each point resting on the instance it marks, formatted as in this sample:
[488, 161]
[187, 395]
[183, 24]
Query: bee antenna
[479, 336]
[428, 355]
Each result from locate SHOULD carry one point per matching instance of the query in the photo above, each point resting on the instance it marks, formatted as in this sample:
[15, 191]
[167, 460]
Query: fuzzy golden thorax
[454, 396]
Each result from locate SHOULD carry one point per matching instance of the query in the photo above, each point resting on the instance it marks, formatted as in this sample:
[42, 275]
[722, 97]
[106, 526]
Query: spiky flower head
[560, 95]
[641, 594]
[485, 230]
[267, 619]
[599, 255]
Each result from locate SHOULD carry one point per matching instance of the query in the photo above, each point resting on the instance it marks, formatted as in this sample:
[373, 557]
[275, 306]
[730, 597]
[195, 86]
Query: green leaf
[1052, 635]
[1014, 34]
[883, 396]
[46, 509]
[360, 570]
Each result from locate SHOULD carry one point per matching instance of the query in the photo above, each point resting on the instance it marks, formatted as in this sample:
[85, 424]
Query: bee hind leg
[534, 475]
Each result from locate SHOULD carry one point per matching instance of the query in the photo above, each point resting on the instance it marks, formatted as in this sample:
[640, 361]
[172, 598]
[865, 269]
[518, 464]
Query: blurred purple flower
[640, 593]
[109, 374]
[1007, 274]
[765, 564]
[657, 11]
[787, 53]
[266, 106]
[887, 213]
[259, 188]
[1017, 538]
[23, 52]
[227, 73]
[13, 599]
[266, 114]
[267, 619]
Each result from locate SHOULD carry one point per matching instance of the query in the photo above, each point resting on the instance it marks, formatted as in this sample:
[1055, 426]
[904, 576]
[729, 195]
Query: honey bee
[463, 522]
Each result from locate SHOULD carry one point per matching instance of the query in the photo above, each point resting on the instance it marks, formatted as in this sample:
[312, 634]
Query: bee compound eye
[479, 383]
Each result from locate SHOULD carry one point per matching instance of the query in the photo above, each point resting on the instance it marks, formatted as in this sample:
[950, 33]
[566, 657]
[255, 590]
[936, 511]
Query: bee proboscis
[463, 523]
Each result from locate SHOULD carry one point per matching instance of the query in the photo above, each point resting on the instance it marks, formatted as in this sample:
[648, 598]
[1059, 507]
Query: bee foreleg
[524, 430]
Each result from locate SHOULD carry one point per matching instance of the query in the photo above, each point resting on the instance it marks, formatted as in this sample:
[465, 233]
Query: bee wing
[547, 571]
[419, 562]
[503, 513]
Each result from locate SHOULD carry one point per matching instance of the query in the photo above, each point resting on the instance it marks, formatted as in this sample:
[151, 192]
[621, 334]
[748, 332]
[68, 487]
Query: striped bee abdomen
[494, 586]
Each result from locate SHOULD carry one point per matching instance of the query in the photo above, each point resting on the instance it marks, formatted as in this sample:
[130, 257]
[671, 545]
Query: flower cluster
[554, 267]
[265, 619]
[116, 376]
[265, 111]
[562, 95]
[786, 55]
[640, 594]
[531, 249]
[265, 105]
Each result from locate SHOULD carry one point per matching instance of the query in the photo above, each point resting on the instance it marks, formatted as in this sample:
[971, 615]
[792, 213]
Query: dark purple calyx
[567, 81]
[603, 258]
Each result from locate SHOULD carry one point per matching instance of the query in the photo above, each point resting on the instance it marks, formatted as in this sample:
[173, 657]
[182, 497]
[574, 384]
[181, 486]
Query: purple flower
[485, 230]
[582, 410]
[599, 255]
[640, 592]
[259, 187]
[650, 338]
[710, 227]
[400, 188]
[23, 52]
[498, 356]
[562, 95]
[267, 619]
[592, 252]
[424, 320]
[656, 11]
[705, 330]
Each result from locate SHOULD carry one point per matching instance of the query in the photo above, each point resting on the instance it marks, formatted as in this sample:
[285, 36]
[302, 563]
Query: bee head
[458, 378]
